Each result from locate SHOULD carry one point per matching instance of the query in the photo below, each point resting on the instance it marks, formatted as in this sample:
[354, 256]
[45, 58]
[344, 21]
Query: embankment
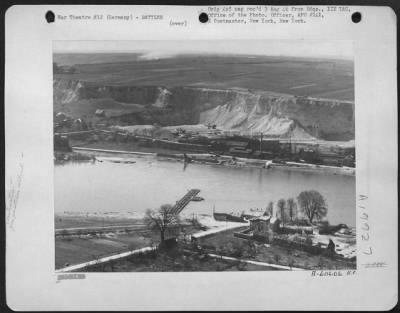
[273, 114]
[205, 158]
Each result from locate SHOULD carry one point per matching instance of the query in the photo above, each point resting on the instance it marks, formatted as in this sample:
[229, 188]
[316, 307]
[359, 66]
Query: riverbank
[214, 249]
[75, 250]
[219, 252]
[206, 158]
[60, 156]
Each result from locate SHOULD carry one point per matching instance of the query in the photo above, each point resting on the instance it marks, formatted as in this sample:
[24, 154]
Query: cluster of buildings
[221, 142]
[270, 229]
[307, 151]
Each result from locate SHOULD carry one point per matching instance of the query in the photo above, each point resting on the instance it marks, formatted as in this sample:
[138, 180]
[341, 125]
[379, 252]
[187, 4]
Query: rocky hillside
[273, 114]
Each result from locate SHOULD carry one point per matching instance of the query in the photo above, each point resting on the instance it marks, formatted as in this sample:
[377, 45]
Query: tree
[291, 263]
[281, 209]
[277, 258]
[270, 209]
[312, 203]
[161, 220]
[292, 207]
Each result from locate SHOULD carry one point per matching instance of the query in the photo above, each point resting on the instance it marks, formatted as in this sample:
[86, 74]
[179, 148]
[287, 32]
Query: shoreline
[215, 236]
[114, 245]
[223, 160]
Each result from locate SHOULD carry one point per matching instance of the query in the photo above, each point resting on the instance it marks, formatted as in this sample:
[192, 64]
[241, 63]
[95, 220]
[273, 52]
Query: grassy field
[313, 77]
[79, 250]
[74, 250]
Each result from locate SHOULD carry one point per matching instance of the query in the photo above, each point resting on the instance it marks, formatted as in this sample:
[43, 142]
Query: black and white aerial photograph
[204, 156]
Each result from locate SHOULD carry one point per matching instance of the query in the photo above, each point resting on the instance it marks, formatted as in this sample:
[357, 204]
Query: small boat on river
[229, 217]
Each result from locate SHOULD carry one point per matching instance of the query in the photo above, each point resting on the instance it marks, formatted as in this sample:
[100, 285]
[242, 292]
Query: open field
[65, 221]
[75, 250]
[79, 250]
[296, 76]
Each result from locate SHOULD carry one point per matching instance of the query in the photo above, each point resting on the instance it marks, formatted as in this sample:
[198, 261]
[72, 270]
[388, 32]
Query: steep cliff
[273, 114]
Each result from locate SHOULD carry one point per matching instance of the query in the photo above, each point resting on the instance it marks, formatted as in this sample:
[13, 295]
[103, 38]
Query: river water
[149, 183]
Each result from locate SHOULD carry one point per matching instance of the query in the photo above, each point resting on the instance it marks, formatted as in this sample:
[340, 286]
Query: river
[149, 183]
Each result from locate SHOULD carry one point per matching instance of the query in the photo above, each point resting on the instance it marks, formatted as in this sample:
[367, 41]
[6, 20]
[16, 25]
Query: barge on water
[226, 217]
[229, 217]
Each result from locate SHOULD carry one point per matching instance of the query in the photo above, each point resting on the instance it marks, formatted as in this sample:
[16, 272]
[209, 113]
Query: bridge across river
[137, 227]
[182, 203]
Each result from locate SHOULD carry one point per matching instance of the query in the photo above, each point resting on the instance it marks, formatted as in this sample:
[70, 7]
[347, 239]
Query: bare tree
[270, 209]
[277, 258]
[281, 209]
[161, 220]
[291, 263]
[312, 203]
[292, 208]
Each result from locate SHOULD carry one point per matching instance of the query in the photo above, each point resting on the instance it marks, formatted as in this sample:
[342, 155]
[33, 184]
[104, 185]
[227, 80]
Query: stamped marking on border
[70, 276]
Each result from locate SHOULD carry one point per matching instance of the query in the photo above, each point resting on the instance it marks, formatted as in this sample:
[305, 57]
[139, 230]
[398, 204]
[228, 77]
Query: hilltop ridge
[270, 113]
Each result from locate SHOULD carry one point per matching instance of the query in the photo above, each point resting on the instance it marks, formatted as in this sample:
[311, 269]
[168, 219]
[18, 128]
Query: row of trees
[311, 203]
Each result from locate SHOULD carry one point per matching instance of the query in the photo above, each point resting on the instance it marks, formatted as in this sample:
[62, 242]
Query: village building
[265, 225]
[238, 148]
